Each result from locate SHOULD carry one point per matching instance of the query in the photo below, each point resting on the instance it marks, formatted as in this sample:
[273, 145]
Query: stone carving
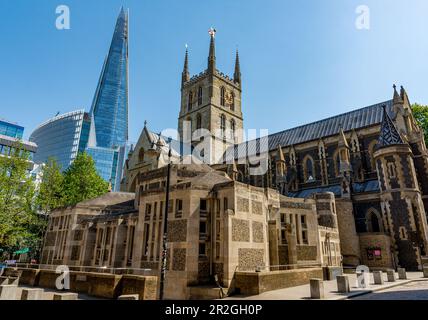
[177, 230]
[249, 259]
[240, 230]
[179, 260]
[258, 232]
[296, 205]
[306, 253]
[257, 207]
[243, 205]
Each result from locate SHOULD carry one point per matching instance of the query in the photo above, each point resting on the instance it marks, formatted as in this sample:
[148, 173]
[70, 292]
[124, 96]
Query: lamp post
[165, 226]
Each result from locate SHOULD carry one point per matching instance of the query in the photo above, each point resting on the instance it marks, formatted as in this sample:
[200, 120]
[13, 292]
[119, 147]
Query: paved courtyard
[415, 283]
[416, 290]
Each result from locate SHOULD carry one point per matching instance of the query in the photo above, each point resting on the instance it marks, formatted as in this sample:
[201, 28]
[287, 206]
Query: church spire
[388, 132]
[211, 57]
[237, 74]
[185, 76]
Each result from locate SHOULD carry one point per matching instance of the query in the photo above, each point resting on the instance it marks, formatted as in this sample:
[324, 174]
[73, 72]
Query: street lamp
[165, 226]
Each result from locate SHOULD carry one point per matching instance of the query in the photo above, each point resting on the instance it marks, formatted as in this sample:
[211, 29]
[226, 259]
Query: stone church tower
[210, 107]
[402, 207]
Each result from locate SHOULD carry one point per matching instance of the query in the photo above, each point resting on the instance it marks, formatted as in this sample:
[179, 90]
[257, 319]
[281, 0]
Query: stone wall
[101, 285]
[252, 283]
[370, 241]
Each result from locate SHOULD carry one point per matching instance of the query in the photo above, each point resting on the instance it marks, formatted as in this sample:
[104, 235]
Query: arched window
[141, 155]
[223, 123]
[199, 96]
[308, 169]
[232, 104]
[190, 124]
[336, 159]
[232, 129]
[374, 221]
[198, 121]
[223, 96]
[190, 101]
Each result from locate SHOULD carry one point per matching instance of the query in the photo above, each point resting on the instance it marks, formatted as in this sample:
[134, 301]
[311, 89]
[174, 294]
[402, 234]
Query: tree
[50, 193]
[82, 182]
[20, 225]
[420, 112]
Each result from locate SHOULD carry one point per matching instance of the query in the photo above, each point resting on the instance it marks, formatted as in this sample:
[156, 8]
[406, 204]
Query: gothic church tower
[211, 100]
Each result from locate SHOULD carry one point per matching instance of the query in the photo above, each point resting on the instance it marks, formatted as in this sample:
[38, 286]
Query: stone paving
[330, 289]
[416, 290]
[48, 294]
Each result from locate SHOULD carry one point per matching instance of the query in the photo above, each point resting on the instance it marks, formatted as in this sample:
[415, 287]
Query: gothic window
[141, 155]
[374, 221]
[190, 101]
[308, 169]
[198, 121]
[223, 96]
[232, 129]
[199, 96]
[223, 123]
[189, 120]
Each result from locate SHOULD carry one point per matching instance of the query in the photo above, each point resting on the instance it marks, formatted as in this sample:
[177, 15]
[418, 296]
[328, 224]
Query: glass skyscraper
[103, 132]
[61, 138]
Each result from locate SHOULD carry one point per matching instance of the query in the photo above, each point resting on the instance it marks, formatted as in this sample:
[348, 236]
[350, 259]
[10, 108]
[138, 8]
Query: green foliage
[50, 193]
[82, 182]
[20, 225]
[24, 212]
[420, 112]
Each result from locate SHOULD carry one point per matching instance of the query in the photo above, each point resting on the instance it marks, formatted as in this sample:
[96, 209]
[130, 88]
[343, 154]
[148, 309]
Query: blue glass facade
[11, 130]
[60, 138]
[110, 104]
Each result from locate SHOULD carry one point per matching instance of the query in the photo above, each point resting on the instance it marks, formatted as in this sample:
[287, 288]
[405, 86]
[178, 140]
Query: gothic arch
[199, 96]
[374, 221]
[198, 121]
[308, 168]
[222, 96]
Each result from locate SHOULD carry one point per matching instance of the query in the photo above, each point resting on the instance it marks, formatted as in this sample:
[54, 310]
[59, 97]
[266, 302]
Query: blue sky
[301, 60]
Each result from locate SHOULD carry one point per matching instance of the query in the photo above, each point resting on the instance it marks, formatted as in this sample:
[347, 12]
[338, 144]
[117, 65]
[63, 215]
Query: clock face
[229, 98]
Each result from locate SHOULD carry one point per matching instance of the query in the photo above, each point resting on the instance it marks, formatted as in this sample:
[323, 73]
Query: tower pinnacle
[211, 58]
[186, 75]
[237, 74]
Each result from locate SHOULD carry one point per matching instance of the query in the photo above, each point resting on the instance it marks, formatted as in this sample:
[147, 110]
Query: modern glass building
[61, 138]
[103, 132]
[11, 129]
[11, 136]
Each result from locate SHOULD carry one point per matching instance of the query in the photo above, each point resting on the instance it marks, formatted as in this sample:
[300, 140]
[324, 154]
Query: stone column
[273, 243]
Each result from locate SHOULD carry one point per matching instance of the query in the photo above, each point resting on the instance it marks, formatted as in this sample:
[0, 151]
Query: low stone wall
[102, 285]
[252, 283]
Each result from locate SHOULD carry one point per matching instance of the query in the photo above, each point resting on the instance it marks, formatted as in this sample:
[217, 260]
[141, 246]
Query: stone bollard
[8, 291]
[343, 284]
[378, 277]
[390, 275]
[317, 288]
[65, 296]
[425, 270]
[402, 275]
[129, 297]
[32, 294]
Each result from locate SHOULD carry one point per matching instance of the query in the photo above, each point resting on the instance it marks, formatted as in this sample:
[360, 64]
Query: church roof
[388, 133]
[355, 119]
